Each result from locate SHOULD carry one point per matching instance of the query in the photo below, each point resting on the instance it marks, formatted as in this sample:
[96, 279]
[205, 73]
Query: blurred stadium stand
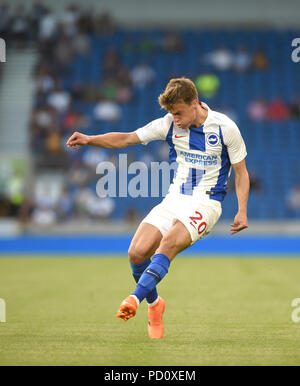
[87, 59]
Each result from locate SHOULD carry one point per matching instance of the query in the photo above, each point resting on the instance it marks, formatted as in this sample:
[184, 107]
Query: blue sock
[137, 271]
[153, 274]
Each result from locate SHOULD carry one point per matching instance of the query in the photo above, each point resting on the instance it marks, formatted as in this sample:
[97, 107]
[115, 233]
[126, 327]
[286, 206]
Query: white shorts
[199, 214]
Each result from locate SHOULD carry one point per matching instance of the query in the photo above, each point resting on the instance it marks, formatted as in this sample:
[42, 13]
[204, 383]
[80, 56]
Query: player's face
[184, 115]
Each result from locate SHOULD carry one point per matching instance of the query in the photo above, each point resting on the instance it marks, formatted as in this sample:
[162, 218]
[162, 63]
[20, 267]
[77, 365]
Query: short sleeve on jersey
[155, 130]
[236, 147]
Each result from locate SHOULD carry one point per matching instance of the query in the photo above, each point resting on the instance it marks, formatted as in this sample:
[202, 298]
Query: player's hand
[240, 222]
[78, 139]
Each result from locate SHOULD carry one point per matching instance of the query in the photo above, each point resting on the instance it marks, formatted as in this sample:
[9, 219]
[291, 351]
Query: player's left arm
[242, 186]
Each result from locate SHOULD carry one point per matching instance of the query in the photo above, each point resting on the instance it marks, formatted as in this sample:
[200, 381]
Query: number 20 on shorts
[195, 222]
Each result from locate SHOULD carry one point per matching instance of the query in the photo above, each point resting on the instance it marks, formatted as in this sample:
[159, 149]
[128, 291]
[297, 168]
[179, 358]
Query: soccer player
[205, 145]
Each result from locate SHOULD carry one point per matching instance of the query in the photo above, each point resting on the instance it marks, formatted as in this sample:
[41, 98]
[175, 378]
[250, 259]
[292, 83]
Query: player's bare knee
[136, 255]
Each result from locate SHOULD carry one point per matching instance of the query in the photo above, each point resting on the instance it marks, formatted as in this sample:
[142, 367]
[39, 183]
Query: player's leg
[193, 223]
[174, 241]
[166, 248]
[143, 245]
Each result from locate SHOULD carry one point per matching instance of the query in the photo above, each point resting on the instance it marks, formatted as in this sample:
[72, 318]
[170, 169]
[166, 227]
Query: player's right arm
[155, 130]
[112, 140]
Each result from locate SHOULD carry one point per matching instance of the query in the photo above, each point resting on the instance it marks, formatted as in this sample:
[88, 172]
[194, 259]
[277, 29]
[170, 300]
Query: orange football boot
[155, 324]
[127, 308]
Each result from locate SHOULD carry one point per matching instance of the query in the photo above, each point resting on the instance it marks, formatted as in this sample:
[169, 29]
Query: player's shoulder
[162, 123]
[168, 118]
[166, 122]
[228, 127]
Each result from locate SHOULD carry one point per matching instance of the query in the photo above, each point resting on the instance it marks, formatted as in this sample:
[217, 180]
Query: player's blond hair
[178, 90]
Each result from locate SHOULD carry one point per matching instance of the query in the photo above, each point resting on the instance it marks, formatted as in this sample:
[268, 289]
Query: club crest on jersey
[212, 139]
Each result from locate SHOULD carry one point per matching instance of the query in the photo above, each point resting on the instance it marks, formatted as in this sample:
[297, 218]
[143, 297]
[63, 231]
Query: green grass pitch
[220, 311]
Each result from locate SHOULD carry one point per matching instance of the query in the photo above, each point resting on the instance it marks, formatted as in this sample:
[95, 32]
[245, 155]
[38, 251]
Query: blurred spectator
[53, 143]
[43, 123]
[47, 25]
[112, 64]
[59, 98]
[257, 110]
[104, 24]
[100, 207]
[44, 118]
[255, 183]
[63, 52]
[82, 197]
[124, 94]
[78, 174]
[37, 141]
[4, 206]
[89, 94]
[88, 205]
[293, 200]
[124, 90]
[146, 45]
[128, 47]
[26, 210]
[108, 111]
[73, 120]
[15, 193]
[93, 156]
[260, 60]
[208, 85]
[44, 213]
[81, 44]
[278, 110]
[142, 75]
[65, 205]
[242, 60]
[295, 108]
[85, 21]
[44, 80]
[123, 76]
[131, 216]
[43, 216]
[221, 59]
[172, 42]
[109, 89]
[19, 26]
[78, 90]
[37, 11]
[69, 19]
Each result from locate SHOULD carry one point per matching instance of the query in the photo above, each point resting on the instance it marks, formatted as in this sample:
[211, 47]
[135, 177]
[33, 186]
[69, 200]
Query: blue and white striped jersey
[203, 155]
